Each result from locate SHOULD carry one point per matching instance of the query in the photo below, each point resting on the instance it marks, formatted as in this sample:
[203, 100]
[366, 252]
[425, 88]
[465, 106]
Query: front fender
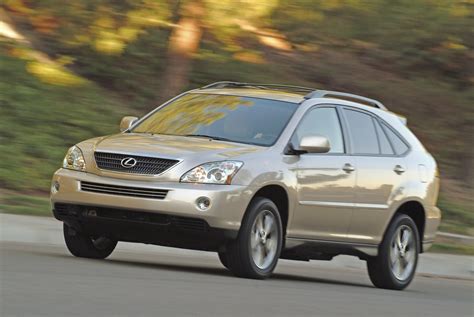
[262, 173]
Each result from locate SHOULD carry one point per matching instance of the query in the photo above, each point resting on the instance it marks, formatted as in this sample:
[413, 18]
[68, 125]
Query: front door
[325, 181]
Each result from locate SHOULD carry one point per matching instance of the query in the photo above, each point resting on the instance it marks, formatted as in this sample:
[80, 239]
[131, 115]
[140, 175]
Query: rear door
[325, 181]
[380, 173]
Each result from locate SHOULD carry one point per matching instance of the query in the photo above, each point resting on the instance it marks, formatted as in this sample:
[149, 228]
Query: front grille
[145, 165]
[184, 223]
[124, 190]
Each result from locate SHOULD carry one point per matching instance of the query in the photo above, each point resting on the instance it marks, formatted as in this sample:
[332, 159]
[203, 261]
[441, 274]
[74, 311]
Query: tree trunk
[183, 44]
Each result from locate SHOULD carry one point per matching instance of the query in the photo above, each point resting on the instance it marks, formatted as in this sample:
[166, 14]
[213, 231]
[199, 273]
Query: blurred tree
[99, 35]
[183, 44]
[218, 19]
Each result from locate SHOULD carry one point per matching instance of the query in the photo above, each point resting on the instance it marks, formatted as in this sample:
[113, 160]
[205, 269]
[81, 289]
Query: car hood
[176, 147]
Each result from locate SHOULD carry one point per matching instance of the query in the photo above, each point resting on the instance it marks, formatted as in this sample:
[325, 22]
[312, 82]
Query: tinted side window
[325, 122]
[385, 147]
[362, 132]
[398, 145]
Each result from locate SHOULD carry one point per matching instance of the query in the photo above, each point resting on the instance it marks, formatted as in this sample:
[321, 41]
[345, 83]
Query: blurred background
[71, 69]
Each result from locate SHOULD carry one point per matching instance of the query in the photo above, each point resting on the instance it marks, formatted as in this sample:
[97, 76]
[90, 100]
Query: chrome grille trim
[145, 165]
[124, 190]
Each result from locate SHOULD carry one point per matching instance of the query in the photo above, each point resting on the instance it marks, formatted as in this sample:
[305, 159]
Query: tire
[84, 246]
[223, 259]
[254, 254]
[395, 265]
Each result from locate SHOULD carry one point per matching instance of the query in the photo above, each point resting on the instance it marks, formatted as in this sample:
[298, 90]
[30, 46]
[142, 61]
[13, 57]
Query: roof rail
[232, 84]
[345, 96]
[310, 92]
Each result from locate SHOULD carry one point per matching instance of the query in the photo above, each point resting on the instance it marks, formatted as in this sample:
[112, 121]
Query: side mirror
[314, 144]
[127, 122]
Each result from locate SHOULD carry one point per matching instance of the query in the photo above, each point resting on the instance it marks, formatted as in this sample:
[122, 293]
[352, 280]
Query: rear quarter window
[385, 146]
[399, 146]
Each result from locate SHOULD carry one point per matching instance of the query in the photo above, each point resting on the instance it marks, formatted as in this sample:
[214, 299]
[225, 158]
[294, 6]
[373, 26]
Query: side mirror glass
[314, 144]
[127, 122]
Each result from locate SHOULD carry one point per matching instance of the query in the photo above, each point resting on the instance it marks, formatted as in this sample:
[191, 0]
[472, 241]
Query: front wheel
[395, 265]
[255, 252]
[85, 246]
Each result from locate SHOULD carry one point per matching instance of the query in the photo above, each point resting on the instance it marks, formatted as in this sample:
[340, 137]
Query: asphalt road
[45, 280]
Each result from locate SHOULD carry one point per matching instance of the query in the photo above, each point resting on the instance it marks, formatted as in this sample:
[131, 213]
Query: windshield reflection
[221, 117]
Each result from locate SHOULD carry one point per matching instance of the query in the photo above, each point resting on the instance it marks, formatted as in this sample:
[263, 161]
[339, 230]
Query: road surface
[40, 278]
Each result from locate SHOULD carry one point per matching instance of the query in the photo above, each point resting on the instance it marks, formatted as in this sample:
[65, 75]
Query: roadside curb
[457, 237]
[446, 277]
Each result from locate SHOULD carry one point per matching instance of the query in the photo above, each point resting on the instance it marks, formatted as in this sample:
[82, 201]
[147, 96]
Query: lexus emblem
[128, 162]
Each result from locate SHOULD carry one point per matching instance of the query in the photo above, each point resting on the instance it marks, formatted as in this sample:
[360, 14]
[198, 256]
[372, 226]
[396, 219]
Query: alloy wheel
[264, 239]
[402, 253]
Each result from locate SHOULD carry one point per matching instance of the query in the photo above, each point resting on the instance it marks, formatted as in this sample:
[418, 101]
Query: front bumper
[144, 227]
[228, 202]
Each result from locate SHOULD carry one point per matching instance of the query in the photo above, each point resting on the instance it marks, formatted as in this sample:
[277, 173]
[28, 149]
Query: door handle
[399, 169]
[348, 168]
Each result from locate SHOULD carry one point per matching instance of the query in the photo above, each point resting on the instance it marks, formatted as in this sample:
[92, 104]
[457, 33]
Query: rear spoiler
[402, 119]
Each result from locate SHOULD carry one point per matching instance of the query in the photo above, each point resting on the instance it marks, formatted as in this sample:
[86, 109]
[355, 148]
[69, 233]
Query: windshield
[230, 118]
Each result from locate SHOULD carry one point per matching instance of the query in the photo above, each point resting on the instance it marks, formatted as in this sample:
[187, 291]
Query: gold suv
[256, 173]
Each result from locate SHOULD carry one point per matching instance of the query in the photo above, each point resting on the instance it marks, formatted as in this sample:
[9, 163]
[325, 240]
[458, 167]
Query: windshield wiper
[209, 137]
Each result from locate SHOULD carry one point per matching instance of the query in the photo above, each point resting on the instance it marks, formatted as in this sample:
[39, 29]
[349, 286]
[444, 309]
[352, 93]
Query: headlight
[213, 173]
[74, 159]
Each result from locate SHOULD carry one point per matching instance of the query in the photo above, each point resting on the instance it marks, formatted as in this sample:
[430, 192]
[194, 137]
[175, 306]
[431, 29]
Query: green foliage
[458, 217]
[40, 121]
[452, 248]
[138, 81]
[25, 205]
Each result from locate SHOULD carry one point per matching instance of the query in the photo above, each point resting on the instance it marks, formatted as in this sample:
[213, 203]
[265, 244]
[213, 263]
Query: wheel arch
[279, 195]
[416, 211]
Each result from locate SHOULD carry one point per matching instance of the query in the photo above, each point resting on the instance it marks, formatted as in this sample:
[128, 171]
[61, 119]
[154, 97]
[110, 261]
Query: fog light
[203, 203]
[55, 187]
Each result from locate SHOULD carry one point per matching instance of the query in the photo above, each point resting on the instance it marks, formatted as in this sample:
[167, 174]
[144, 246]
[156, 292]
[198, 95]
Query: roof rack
[309, 92]
[345, 96]
[233, 84]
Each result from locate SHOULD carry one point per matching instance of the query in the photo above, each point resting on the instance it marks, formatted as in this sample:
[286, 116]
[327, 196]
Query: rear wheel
[255, 252]
[395, 265]
[85, 246]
